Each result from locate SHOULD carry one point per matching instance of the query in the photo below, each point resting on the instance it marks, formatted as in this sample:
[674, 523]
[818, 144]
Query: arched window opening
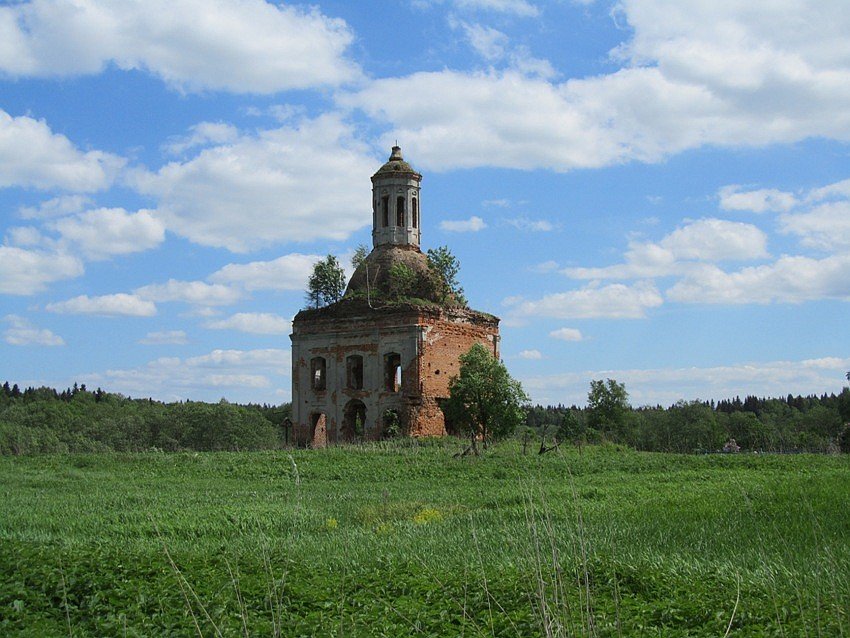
[415, 212]
[354, 372]
[318, 373]
[399, 210]
[392, 372]
[354, 421]
[385, 210]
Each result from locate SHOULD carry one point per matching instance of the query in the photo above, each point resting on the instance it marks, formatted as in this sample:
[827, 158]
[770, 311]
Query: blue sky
[648, 190]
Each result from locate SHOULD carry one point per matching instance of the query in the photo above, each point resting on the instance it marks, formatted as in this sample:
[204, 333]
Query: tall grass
[402, 539]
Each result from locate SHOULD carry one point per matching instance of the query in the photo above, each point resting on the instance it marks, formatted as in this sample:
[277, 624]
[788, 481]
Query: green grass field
[403, 539]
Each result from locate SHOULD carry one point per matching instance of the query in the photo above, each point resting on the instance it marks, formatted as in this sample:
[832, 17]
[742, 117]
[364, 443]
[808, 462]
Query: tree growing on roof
[326, 283]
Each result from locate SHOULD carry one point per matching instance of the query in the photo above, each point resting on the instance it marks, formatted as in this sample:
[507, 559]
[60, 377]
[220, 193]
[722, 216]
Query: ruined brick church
[376, 362]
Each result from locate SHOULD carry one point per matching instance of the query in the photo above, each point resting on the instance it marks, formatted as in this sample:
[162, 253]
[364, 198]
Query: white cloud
[825, 227]
[165, 337]
[26, 236]
[203, 134]
[471, 225]
[192, 292]
[531, 355]
[289, 272]
[117, 305]
[716, 240]
[567, 334]
[296, 183]
[241, 375]
[487, 42]
[22, 332]
[665, 386]
[693, 74]
[535, 225]
[758, 201]
[839, 190]
[249, 46]
[261, 323]
[56, 207]
[614, 301]
[705, 240]
[104, 232]
[31, 155]
[26, 272]
[790, 279]
[521, 8]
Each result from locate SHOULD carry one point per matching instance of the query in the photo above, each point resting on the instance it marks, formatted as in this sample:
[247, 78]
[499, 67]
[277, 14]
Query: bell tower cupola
[395, 203]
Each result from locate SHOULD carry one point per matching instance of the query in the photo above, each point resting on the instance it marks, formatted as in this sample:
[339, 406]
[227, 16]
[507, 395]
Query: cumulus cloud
[790, 279]
[56, 207]
[193, 292]
[26, 272]
[289, 272]
[117, 305]
[165, 337]
[250, 46]
[824, 227]
[494, 46]
[531, 354]
[22, 332]
[614, 301]
[104, 232]
[471, 225]
[693, 74]
[203, 134]
[302, 182]
[567, 334]
[760, 200]
[521, 8]
[260, 323]
[31, 155]
[705, 240]
[241, 375]
[535, 225]
[665, 386]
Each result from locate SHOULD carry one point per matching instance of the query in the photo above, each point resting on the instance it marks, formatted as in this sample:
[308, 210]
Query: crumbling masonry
[371, 364]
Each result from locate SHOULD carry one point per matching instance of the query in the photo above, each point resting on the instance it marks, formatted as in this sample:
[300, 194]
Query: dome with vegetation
[402, 273]
[396, 164]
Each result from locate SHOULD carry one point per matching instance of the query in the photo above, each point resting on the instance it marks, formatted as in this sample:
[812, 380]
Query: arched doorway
[354, 421]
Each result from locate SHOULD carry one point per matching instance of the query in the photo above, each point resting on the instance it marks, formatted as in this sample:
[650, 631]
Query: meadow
[400, 538]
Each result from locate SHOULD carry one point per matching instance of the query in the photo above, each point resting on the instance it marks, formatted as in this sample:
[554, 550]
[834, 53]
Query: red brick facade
[428, 342]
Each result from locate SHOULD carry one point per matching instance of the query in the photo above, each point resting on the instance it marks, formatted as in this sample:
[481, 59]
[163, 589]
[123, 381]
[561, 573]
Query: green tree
[445, 268]
[571, 428]
[327, 283]
[608, 407]
[402, 282]
[359, 256]
[484, 401]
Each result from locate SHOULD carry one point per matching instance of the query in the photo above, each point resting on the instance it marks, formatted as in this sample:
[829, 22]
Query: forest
[44, 420]
[784, 425]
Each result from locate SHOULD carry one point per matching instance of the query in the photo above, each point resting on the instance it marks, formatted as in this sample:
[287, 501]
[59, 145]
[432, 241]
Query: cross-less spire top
[395, 203]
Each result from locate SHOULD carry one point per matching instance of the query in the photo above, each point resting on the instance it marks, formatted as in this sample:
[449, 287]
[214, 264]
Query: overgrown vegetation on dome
[389, 280]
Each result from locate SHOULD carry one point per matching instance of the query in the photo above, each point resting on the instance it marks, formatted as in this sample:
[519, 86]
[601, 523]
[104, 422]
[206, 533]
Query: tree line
[44, 420]
[788, 424]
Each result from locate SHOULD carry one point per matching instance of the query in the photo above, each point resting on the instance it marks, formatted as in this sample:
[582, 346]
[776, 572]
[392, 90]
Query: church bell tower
[395, 203]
